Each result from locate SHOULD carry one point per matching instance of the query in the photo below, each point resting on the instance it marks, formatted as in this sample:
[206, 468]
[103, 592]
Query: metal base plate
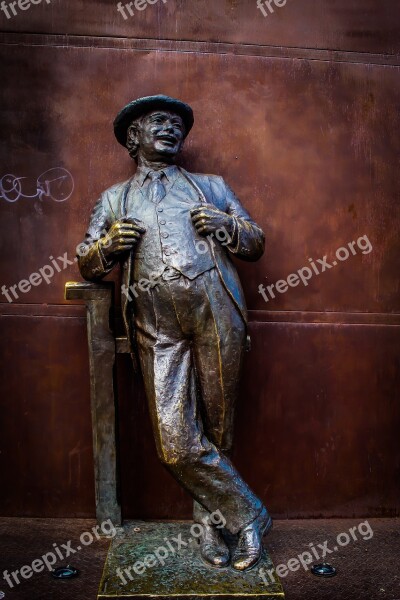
[175, 569]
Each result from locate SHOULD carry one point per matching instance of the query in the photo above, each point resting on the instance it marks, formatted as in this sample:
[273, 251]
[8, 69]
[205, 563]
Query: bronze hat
[141, 106]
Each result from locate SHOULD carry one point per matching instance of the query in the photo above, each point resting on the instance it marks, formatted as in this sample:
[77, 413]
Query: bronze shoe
[249, 549]
[213, 548]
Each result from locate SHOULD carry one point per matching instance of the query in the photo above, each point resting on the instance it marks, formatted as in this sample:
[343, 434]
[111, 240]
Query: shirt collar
[171, 173]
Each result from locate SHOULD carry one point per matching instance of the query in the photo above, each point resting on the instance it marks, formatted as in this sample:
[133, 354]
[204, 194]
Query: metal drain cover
[323, 570]
[67, 572]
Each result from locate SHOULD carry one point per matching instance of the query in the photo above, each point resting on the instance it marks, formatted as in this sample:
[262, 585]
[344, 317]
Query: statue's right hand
[121, 237]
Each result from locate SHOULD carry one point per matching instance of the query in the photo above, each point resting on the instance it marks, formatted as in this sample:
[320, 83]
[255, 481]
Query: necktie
[156, 189]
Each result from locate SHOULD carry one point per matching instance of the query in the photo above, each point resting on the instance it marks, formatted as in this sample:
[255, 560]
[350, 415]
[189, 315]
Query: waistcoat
[171, 239]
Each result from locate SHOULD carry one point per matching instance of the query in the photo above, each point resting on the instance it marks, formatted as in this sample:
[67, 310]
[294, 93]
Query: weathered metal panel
[310, 147]
[46, 460]
[357, 26]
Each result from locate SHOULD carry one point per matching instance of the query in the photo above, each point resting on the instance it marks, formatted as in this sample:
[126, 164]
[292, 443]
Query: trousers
[191, 340]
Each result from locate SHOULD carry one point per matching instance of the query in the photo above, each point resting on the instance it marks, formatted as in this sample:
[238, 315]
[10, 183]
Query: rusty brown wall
[299, 112]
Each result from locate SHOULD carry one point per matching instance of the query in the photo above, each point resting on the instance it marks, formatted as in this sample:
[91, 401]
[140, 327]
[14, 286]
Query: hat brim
[142, 106]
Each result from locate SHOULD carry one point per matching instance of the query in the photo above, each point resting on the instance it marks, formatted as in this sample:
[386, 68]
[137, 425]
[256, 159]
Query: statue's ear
[132, 134]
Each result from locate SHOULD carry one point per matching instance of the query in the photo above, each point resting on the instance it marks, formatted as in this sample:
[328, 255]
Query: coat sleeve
[92, 263]
[248, 239]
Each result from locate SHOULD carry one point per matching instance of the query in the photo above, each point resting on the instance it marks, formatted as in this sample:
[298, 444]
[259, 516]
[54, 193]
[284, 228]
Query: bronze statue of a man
[173, 233]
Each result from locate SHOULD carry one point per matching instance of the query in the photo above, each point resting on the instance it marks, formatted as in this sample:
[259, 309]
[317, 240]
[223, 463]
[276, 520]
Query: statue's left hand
[208, 219]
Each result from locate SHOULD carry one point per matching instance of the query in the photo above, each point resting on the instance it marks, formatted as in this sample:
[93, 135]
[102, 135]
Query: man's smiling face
[160, 135]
